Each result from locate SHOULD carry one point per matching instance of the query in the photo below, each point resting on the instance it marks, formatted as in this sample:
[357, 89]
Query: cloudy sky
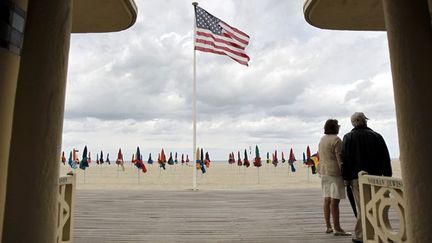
[134, 88]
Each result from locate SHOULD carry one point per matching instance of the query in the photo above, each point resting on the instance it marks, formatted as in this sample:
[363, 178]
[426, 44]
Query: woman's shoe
[341, 233]
[329, 230]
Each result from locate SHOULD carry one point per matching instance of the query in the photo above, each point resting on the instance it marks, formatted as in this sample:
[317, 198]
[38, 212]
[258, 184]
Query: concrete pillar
[8, 78]
[9, 64]
[32, 184]
[409, 31]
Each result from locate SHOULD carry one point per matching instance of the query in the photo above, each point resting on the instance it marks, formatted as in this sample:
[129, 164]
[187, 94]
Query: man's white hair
[359, 119]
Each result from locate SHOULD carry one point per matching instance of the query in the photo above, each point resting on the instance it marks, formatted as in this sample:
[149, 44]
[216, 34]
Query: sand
[220, 176]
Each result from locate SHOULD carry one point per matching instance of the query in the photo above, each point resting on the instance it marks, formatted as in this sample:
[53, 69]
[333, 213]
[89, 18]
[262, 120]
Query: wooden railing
[66, 201]
[382, 208]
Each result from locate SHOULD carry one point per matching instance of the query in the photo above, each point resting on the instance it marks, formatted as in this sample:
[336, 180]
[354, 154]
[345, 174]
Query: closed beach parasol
[239, 161]
[138, 161]
[107, 159]
[101, 160]
[199, 164]
[257, 161]
[309, 161]
[75, 156]
[84, 163]
[71, 162]
[291, 160]
[315, 159]
[246, 160]
[182, 160]
[119, 160]
[175, 158]
[275, 159]
[268, 158]
[150, 161]
[187, 158]
[63, 158]
[230, 159]
[163, 161]
[207, 160]
[283, 157]
[203, 168]
[170, 159]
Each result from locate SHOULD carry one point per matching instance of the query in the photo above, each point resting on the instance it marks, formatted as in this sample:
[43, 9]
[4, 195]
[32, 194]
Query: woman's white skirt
[333, 186]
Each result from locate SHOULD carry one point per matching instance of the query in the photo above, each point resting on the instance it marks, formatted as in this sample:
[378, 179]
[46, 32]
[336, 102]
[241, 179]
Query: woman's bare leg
[334, 205]
[326, 208]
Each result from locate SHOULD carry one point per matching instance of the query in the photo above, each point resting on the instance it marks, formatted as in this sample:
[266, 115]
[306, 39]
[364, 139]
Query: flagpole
[194, 182]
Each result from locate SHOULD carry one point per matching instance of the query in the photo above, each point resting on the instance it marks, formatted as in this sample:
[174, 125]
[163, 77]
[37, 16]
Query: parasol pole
[84, 176]
[194, 171]
[307, 171]
[258, 175]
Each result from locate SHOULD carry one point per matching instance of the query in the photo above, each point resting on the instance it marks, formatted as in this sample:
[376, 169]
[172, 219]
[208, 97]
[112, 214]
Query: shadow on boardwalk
[292, 215]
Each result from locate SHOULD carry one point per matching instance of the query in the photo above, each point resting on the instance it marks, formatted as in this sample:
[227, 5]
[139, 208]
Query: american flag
[215, 36]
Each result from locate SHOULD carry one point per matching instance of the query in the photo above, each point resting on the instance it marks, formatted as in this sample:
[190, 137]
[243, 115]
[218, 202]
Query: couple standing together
[362, 149]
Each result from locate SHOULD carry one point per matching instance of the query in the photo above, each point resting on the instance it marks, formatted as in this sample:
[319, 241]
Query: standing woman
[332, 183]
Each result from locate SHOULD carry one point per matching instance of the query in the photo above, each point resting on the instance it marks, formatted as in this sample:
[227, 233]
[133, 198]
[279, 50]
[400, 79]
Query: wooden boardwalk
[292, 215]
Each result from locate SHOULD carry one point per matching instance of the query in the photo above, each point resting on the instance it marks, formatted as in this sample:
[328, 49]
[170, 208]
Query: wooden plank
[290, 215]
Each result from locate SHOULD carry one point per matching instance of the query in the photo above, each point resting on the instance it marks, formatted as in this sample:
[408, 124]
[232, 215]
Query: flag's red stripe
[220, 53]
[235, 45]
[237, 30]
[225, 37]
[232, 56]
[237, 53]
[231, 36]
[242, 60]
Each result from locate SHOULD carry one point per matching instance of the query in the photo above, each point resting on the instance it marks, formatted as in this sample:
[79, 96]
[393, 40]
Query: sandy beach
[220, 176]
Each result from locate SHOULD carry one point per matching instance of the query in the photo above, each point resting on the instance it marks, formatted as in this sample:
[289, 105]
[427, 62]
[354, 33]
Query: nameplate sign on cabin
[63, 180]
[385, 182]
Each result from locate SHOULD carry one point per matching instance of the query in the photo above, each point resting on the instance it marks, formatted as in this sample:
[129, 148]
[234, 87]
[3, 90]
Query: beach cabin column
[409, 32]
[32, 183]
[12, 24]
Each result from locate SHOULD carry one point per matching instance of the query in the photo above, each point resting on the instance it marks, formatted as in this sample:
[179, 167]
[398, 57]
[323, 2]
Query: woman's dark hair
[331, 126]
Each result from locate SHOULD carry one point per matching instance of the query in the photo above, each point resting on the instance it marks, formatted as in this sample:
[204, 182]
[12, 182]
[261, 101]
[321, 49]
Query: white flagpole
[194, 182]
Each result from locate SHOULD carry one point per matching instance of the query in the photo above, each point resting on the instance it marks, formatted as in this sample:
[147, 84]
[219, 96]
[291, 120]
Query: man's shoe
[355, 240]
[341, 233]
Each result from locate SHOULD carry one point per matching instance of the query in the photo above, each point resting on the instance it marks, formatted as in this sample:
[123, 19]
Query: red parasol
[246, 160]
[63, 158]
[239, 161]
[275, 159]
[119, 160]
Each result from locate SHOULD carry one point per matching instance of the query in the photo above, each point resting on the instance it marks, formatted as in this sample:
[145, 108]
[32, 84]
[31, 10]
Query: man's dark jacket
[364, 149]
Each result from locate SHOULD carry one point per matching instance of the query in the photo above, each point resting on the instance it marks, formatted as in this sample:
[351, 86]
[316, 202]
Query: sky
[134, 87]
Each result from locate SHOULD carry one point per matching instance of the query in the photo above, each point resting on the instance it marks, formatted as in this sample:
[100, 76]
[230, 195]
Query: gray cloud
[135, 86]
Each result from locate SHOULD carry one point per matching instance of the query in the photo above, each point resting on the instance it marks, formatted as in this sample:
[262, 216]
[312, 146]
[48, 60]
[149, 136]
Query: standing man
[363, 150]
